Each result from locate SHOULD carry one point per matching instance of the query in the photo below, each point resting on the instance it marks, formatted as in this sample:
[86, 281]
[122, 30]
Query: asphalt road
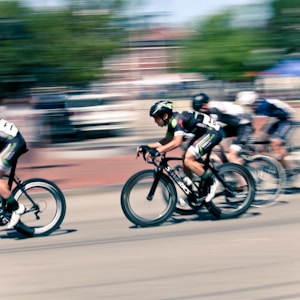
[99, 254]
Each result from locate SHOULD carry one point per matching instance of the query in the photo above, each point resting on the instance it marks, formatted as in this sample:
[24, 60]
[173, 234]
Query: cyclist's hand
[148, 153]
[153, 152]
[142, 150]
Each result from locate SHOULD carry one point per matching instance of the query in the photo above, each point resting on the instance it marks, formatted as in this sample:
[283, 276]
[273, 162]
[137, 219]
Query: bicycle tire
[138, 209]
[269, 178]
[186, 210]
[50, 209]
[225, 206]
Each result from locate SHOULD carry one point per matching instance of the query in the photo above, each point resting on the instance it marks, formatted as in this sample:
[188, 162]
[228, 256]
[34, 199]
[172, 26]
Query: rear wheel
[235, 195]
[45, 207]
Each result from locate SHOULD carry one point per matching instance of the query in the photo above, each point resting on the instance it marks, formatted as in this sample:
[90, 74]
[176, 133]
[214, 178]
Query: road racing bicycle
[150, 198]
[45, 205]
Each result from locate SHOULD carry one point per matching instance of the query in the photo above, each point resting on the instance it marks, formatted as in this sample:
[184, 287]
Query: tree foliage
[224, 48]
[61, 47]
[285, 25]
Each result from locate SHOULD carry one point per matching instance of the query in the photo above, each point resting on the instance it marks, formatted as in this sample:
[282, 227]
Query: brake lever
[138, 154]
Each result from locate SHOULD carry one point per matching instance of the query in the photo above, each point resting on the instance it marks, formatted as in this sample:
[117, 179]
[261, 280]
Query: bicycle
[45, 205]
[149, 197]
[293, 160]
[268, 173]
[291, 163]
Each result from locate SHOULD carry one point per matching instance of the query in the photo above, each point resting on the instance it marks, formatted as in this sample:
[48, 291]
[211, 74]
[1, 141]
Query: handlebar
[144, 150]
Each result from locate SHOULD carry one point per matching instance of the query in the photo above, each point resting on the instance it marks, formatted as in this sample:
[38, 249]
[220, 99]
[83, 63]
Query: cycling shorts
[205, 143]
[280, 129]
[11, 151]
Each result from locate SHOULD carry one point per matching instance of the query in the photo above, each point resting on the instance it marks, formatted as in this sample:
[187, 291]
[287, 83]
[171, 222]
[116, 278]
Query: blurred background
[88, 70]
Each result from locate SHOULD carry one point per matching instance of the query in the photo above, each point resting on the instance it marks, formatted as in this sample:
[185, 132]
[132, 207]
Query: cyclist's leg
[279, 132]
[8, 156]
[199, 148]
[242, 134]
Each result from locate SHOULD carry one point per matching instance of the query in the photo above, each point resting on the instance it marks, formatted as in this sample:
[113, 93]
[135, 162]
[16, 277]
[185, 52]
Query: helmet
[246, 97]
[199, 100]
[160, 108]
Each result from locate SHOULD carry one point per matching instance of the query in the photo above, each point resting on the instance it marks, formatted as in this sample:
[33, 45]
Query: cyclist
[11, 143]
[265, 110]
[235, 121]
[206, 134]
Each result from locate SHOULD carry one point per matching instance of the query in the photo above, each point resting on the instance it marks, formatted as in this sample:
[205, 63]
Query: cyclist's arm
[162, 142]
[173, 144]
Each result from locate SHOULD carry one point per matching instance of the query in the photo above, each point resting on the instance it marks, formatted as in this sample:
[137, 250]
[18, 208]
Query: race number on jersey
[8, 128]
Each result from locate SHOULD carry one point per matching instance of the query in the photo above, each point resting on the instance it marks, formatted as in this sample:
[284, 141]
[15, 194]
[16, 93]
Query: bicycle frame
[13, 178]
[163, 165]
[12, 174]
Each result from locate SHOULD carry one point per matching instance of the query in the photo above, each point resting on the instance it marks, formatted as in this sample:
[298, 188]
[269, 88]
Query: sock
[205, 176]
[11, 199]
[11, 204]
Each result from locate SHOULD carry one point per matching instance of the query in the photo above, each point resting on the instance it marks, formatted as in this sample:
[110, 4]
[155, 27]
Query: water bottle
[187, 180]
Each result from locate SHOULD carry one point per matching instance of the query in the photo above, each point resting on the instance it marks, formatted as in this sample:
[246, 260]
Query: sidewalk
[77, 173]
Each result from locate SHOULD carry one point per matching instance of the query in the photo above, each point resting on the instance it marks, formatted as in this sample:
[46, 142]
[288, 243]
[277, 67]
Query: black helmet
[199, 100]
[160, 108]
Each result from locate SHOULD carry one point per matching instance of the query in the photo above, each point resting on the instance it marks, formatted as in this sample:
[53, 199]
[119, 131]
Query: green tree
[62, 47]
[284, 26]
[224, 49]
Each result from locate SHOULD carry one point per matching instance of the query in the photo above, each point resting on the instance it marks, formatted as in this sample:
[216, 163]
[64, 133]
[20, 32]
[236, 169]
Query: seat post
[12, 174]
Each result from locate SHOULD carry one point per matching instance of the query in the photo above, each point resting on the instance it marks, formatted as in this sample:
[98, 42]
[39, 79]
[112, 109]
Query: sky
[174, 11]
[182, 11]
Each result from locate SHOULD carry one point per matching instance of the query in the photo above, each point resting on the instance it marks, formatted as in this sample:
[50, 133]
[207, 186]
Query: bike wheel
[236, 195]
[292, 171]
[45, 207]
[148, 212]
[269, 178]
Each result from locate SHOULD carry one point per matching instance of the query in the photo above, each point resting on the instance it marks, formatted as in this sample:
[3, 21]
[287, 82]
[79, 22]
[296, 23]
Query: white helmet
[246, 97]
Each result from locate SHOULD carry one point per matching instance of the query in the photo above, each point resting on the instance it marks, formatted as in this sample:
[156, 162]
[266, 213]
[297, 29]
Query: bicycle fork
[173, 175]
[157, 177]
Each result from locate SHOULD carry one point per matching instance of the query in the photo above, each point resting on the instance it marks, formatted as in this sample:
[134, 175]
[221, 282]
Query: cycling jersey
[279, 110]
[273, 108]
[228, 113]
[207, 133]
[235, 121]
[191, 122]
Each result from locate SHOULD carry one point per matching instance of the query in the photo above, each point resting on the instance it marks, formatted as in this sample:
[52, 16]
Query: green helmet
[160, 108]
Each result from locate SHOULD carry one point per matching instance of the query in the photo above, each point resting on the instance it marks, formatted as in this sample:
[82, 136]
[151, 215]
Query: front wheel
[138, 208]
[45, 207]
[235, 191]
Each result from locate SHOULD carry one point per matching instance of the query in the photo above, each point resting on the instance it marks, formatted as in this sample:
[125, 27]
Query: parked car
[52, 119]
[99, 114]
[82, 115]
